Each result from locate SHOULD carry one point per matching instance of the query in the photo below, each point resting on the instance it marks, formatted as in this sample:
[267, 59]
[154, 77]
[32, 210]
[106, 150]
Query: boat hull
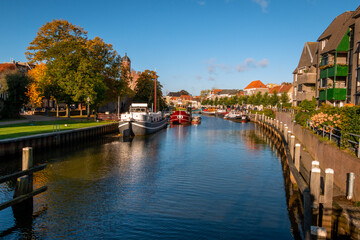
[180, 117]
[137, 128]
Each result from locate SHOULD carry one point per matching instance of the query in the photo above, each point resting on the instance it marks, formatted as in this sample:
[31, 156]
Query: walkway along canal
[217, 180]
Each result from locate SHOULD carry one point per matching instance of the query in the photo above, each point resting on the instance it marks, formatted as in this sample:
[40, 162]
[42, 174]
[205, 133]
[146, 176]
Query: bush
[302, 117]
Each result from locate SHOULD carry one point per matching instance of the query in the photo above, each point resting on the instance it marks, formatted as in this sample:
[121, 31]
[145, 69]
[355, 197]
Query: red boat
[180, 116]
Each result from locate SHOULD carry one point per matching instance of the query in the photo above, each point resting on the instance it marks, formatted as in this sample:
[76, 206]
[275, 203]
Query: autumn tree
[38, 85]
[78, 68]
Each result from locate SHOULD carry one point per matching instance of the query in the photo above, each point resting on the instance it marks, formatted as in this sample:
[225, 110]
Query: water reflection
[218, 180]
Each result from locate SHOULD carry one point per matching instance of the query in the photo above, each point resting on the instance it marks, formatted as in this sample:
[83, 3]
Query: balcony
[306, 78]
[301, 96]
[337, 94]
[329, 71]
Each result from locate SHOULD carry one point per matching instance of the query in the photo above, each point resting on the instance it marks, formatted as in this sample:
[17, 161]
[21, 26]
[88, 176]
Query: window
[299, 87]
[323, 82]
[325, 60]
[323, 43]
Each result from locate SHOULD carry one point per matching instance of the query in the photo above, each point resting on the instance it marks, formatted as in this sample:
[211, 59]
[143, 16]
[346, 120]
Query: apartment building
[304, 83]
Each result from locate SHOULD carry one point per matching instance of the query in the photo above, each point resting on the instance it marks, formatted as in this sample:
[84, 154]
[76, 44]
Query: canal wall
[328, 155]
[41, 141]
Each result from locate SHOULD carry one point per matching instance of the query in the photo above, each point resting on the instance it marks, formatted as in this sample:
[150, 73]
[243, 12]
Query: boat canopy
[134, 105]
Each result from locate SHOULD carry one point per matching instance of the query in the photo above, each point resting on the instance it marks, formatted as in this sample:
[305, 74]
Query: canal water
[218, 180]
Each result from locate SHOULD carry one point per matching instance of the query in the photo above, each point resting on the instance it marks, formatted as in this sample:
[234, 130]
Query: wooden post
[285, 133]
[328, 200]
[315, 186]
[297, 156]
[307, 213]
[292, 146]
[24, 185]
[315, 164]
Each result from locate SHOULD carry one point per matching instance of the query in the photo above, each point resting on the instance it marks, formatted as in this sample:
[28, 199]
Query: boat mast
[155, 92]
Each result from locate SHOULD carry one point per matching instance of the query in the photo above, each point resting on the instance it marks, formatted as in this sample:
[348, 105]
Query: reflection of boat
[196, 120]
[180, 116]
[139, 121]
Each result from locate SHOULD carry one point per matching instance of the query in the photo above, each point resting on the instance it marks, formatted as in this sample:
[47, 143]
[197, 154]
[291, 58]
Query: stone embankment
[328, 155]
[42, 141]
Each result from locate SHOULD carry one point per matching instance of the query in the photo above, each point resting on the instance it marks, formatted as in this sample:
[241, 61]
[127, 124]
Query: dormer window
[323, 43]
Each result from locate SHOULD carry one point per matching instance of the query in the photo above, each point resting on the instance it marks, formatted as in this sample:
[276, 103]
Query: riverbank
[345, 215]
[45, 134]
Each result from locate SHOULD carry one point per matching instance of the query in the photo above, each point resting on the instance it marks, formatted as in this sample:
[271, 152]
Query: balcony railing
[329, 70]
[330, 94]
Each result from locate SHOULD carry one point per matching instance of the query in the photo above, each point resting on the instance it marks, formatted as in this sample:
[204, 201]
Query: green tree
[144, 91]
[16, 83]
[78, 68]
[265, 101]
[274, 99]
[284, 98]
[257, 99]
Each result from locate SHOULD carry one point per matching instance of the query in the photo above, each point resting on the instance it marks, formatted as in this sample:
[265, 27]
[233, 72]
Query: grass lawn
[32, 128]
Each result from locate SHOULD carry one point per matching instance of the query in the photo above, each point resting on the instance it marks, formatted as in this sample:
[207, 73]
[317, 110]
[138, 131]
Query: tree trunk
[57, 109]
[81, 110]
[67, 111]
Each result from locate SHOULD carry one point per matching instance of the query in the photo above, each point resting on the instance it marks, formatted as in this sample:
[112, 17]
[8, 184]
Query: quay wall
[328, 155]
[41, 141]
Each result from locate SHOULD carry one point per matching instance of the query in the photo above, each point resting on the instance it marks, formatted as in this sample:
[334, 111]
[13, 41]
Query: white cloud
[263, 4]
[250, 63]
[212, 66]
[263, 63]
[201, 3]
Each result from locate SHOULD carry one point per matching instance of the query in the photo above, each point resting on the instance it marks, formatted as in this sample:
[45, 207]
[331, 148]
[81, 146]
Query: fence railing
[335, 135]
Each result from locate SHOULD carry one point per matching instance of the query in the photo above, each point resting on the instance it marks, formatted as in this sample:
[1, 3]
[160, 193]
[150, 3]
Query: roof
[357, 13]
[7, 66]
[336, 31]
[308, 55]
[228, 91]
[256, 84]
[281, 89]
[174, 94]
[125, 58]
[215, 91]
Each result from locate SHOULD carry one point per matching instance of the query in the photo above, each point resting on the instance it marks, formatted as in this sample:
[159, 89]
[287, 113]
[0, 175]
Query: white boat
[140, 121]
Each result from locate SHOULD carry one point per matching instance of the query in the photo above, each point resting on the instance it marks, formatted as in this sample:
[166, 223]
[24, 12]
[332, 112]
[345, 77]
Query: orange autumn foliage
[38, 79]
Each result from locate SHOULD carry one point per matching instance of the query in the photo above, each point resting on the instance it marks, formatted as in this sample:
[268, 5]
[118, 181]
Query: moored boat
[140, 121]
[210, 111]
[180, 116]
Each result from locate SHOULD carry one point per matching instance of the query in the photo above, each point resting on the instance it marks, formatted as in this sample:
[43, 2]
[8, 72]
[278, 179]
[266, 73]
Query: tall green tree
[144, 91]
[16, 83]
[274, 99]
[284, 98]
[265, 101]
[78, 68]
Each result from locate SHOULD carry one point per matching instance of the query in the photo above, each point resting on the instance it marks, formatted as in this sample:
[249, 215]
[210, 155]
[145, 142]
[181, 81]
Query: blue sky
[193, 44]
